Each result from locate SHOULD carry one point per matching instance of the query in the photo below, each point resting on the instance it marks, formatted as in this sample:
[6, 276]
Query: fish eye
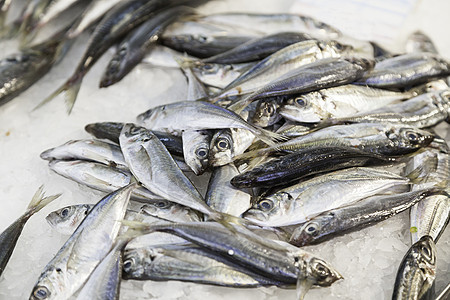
[202, 39]
[426, 252]
[65, 212]
[41, 292]
[223, 144]
[202, 153]
[322, 271]
[265, 205]
[270, 109]
[412, 136]
[339, 46]
[162, 204]
[301, 101]
[312, 228]
[208, 67]
[128, 264]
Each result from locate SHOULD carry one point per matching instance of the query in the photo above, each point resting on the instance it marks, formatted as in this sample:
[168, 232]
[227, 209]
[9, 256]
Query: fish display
[266, 149]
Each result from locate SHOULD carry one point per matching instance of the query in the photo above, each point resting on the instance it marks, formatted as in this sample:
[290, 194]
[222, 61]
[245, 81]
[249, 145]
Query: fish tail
[228, 221]
[303, 286]
[269, 137]
[185, 62]
[39, 201]
[70, 89]
[136, 228]
[240, 105]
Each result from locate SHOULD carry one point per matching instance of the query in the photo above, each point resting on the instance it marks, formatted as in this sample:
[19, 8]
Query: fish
[104, 282]
[55, 8]
[99, 177]
[196, 89]
[301, 202]
[339, 102]
[228, 143]
[324, 73]
[199, 115]
[356, 216]
[4, 8]
[267, 112]
[306, 162]
[419, 42]
[10, 236]
[417, 271]
[111, 131]
[85, 249]
[152, 165]
[91, 150]
[219, 75]
[137, 43]
[189, 263]
[258, 48]
[281, 63]
[222, 196]
[196, 149]
[380, 138]
[405, 71]
[65, 220]
[421, 111]
[263, 256]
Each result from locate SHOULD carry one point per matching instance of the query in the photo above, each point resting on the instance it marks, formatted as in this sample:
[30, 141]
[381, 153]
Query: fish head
[304, 108]
[266, 113]
[221, 149]
[196, 151]
[336, 48]
[321, 272]
[133, 263]
[410, 139]
[50, 285]
[135, 134]
[68, 218]
[308, 232]
[168, 210]
[151, 116]
[270, 209]
[117, 67]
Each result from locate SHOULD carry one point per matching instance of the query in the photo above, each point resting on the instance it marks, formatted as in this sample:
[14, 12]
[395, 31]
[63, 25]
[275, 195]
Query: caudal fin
[39, 201]
[70, 90]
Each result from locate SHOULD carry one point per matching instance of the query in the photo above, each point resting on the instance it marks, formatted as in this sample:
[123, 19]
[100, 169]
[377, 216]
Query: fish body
[417, 271]
[85, 248]
[306, 199]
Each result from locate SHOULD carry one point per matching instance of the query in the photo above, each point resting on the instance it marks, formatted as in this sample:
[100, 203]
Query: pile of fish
[307, 134]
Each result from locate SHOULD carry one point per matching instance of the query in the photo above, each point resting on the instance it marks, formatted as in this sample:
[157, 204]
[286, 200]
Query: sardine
[356, 216]
[406, 71]
[222, 196]
[10, 236]
[85, 248]
[219, 75]
[228, 143]
[417, 271]
[196, 149]
[302, 201]
[305, 162]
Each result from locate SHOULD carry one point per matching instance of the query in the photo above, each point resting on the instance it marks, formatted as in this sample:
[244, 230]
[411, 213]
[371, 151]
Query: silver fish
[301, 202]
[218, 75]
[85, 248]
[267, 113]
[417, 271]
[9, 237]
[196, 149]
[222, 196]
[228, 143]
[419, 42]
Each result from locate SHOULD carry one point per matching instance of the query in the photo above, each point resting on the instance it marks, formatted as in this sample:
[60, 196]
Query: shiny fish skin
[417, 271]
[188, 263]
[304, 163]
[196, 149]
[356, 216]
[218, 75]
[306, 199]
[406, 70]
[10, 236]
[85, 248]
[91, 150]
[222, 196]
[258, 48]
[65, 220]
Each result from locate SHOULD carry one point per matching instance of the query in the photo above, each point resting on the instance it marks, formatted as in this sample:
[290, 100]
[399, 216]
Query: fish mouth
[292, 113]
[50, 219]
[255, 216]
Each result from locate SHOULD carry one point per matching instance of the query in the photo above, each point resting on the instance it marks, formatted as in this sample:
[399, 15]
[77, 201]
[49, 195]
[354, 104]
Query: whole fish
[419, 42]
[21, 70]
[10, 236]
[268, 258]
[228, 143]
[305, 162]
[324, 73]
[111, 131]
[356, 216]
[196, 149]
[306, 199]
[91, 150]
[417, 271]
[188, 263]
[198, 115]
[406, 71]
[137, 43]
[422, 111]
[339, 102]
[257, 49]
[281, 63]
[104, 282]
[85, 248]
[222, 196]
[99, 177]
[381, 138]
[152, 165]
